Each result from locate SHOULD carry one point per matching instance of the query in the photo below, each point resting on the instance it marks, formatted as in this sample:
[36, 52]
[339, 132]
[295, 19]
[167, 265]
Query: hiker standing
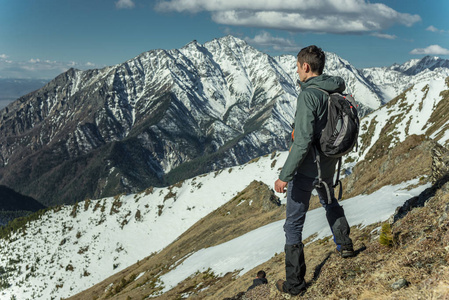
[300, 169]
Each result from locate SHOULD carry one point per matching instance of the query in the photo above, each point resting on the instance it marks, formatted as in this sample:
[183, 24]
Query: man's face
[301, 72]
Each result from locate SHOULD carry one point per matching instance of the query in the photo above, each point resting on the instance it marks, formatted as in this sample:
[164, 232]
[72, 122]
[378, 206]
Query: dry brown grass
[420, 256]
[404, 162]
[440, 115]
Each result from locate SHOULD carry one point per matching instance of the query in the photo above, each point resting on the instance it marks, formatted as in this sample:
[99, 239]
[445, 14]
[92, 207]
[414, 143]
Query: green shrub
[20, 223]
[386, 236]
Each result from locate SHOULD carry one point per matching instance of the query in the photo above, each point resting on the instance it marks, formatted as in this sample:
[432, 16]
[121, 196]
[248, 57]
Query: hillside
[96, 238]
[148, 277]
[78, 246]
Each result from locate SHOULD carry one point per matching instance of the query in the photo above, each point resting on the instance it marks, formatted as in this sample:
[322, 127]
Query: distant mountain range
[165, 116]
[12, 89]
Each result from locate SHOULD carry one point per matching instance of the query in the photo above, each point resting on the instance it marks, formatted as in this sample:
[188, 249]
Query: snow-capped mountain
[155, 119]
[214, 105]
[391, 81]
[164, 116]
[416, 66]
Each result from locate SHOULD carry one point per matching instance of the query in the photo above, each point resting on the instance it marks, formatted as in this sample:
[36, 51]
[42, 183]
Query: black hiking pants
[298, 196]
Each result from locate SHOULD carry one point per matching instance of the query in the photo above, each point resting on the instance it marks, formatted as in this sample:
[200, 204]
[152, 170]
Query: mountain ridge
[164, 116]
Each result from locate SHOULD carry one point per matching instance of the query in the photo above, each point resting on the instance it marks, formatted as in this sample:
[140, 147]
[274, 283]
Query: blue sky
[42, 38]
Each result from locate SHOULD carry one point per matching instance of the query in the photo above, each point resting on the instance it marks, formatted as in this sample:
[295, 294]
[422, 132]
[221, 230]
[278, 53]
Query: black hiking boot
[295, 269]
[280, 285]
[346, 251]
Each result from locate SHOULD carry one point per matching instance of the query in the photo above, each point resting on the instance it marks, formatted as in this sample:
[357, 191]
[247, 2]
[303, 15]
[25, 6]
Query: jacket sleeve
[303, 135]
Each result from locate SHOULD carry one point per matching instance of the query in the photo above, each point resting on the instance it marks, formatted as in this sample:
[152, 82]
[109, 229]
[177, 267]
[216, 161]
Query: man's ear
[306, 67]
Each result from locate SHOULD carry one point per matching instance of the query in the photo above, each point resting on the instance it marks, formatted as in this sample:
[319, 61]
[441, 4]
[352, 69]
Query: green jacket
[310, 119]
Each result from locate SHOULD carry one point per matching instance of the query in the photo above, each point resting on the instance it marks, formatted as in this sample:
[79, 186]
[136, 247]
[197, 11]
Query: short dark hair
[314, 56]
[261, 274]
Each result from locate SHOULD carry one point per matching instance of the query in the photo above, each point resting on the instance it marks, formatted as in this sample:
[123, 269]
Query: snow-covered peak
[230, 41]
[416, 66]
[391, 81]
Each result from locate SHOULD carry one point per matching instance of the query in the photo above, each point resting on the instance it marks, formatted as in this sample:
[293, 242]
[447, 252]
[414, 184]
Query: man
[300, 170]
[260, 279]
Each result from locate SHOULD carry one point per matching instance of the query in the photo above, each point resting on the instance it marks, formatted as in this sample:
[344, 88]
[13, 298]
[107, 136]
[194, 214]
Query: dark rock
[401, 283]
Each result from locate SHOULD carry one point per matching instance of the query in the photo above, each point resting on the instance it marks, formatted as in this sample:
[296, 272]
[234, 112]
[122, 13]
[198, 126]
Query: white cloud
[3, 56]
[264, 39]
[432, 28]
[124, 4]
[384, 36]
[37, 68]
[332, 16]
[431, 50]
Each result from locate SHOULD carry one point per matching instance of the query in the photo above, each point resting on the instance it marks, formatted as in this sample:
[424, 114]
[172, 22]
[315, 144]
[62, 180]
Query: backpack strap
[321, 182]
[317, 88]
[318, 162]
[338, 181]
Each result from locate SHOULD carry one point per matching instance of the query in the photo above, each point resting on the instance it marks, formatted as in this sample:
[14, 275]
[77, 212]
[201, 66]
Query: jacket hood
[331, 84]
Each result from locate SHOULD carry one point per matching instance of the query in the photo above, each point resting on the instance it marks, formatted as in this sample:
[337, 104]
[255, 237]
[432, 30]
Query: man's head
[261, 274]
[310, 62]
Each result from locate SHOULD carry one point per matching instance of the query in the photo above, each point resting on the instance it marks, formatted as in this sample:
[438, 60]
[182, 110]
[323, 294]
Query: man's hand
[279, 186]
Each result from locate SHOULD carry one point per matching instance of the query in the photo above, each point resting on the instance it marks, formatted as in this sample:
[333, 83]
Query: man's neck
[310, 76]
